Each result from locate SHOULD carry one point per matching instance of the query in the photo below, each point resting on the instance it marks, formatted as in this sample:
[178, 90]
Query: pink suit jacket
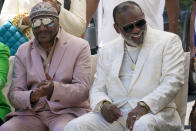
[71, 68]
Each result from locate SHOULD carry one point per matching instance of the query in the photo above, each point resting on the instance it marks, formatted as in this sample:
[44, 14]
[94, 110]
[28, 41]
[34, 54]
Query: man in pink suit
[51, 76]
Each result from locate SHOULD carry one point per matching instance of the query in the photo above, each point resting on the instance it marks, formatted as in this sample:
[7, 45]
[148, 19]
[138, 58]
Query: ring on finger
[134, 116]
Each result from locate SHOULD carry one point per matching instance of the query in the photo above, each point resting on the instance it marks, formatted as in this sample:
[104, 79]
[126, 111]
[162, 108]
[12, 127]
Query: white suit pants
[95, 122]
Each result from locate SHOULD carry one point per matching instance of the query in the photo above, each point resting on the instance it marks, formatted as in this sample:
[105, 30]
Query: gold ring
[134, 116]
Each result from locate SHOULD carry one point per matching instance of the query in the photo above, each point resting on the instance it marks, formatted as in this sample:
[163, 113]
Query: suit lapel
[143, 55]
[39, 65]
[118, 51]
[116, 64]
[57, 58]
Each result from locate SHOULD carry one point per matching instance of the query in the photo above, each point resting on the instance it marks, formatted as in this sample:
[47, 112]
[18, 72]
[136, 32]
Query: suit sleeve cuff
[22, 101]
[99, 105]
[153, 107]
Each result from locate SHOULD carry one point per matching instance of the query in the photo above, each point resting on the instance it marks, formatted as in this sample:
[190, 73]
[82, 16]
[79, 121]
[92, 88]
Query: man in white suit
[137, 78]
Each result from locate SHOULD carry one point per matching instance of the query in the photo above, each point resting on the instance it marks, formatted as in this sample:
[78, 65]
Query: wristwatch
[104, 102]
[143, 104]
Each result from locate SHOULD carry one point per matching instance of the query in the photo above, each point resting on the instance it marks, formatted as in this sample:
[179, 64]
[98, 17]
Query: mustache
[133, 35]
[43, 32]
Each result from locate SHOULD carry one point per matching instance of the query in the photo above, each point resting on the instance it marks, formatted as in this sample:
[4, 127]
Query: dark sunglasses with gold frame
[128, 28]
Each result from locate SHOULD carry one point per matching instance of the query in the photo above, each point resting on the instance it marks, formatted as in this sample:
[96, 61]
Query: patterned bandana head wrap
[43, 9]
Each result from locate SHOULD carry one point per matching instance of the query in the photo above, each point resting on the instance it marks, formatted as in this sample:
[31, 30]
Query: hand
[48, 78]
[134, 115]
[48, 87]
[110, 112]
[35, 96]
[44, 88]
[54, 3]
[26, 21]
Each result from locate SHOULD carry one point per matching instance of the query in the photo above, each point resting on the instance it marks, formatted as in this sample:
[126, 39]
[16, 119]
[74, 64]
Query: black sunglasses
[129, 27]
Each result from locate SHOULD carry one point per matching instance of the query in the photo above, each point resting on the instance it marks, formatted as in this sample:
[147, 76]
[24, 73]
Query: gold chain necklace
[134, 62]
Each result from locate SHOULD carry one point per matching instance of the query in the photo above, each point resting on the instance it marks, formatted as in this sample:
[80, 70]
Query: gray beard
[130, 42]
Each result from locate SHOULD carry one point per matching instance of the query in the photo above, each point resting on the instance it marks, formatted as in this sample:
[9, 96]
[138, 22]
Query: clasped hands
[111, 113]
[44, 88]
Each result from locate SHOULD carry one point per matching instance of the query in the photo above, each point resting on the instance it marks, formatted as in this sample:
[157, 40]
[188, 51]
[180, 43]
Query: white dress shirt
[126, 72]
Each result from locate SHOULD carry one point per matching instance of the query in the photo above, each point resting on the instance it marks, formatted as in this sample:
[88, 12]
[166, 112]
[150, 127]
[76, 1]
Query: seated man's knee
[145, 123]
[8, 126]
[79, 123]
[84, 123]
[72, 125]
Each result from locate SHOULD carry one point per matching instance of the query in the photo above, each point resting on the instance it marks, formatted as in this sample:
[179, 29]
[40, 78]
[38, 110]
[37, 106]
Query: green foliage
[186, 4]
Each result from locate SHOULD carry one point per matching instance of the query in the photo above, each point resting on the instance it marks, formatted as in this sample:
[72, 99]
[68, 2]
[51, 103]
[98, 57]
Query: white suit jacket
[158, 76]
[72, 21]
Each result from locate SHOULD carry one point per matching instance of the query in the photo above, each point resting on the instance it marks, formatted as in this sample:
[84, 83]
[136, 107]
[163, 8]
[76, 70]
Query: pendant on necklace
[133, 67]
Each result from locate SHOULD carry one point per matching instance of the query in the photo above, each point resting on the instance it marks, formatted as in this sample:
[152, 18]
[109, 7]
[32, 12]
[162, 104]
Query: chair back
[94, 59]
[9, 79]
